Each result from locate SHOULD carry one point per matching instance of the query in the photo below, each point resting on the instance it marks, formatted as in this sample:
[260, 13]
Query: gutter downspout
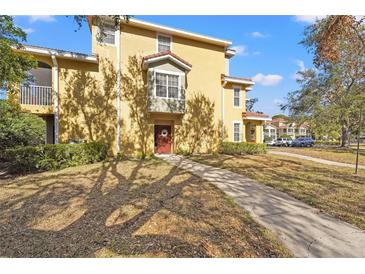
[55, 96]
[118, 88]
[222, 106]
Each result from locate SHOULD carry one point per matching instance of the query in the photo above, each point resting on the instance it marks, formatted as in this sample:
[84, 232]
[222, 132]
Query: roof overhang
[230, 53]
[59, 54]
[236, 80]
[255, 116]
[166, 57]
[178, 32]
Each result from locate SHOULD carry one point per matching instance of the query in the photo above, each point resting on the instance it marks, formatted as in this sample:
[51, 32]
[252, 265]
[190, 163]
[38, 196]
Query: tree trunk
[345, 135]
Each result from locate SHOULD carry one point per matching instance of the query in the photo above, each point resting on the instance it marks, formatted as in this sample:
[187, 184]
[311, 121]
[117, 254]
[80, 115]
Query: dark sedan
[303, 142]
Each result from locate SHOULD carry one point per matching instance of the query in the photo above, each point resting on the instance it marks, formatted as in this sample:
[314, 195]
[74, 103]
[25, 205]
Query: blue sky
[267, 47]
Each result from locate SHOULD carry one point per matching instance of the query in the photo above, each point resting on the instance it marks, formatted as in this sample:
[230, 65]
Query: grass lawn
[336, 191]
[127, 209]
[329, 153]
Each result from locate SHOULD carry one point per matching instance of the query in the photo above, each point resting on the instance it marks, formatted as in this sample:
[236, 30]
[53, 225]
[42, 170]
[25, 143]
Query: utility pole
[358, 142]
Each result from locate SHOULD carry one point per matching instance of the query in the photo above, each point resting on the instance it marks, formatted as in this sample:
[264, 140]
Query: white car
[283, 142]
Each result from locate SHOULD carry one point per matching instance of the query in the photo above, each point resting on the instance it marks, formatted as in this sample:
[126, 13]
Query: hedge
[242, 148]
[51, 157]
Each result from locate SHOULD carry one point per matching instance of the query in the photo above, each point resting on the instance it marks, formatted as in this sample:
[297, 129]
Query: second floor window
[236, 97]
[108, 37]
[164, 43]
[167, 85]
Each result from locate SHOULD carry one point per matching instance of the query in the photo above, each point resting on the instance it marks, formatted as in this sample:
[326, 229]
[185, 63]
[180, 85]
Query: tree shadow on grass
[89, 232]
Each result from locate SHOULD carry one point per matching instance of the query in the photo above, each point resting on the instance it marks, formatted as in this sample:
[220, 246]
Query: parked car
[271, 142]
[283, 142]
[303, 142]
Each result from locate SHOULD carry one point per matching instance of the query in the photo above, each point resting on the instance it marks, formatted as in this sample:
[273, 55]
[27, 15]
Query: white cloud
[308, 18]
[28, 30]
[268, 79]
[258, 34]
[240, 49]
[41, 18]
[302, 68]
[256, 53]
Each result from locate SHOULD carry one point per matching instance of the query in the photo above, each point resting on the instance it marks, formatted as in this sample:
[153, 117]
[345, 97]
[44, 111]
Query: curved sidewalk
[313, 159]
[303, 229]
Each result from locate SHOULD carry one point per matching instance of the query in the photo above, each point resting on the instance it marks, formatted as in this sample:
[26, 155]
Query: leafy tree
[101, 22]
[18, 128]
[332, 94]
[14, 66]
[277, 116]
[250, 104]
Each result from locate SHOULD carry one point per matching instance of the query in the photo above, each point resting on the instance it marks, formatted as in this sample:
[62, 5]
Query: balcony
[36, 95]
[36, 99]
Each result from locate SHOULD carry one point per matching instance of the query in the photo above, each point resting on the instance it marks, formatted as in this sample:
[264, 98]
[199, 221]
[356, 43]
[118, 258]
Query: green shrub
[268, 139]
[51, 157]
[242, 148]
[287, 136]
[18, 128]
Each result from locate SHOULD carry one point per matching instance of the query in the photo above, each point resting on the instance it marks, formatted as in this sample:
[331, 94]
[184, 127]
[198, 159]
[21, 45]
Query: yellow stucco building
[145, 89]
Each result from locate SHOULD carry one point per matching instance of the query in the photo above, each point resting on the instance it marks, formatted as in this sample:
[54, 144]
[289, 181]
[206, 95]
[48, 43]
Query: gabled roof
[255, 116]
[44, 51]
[237, 80]
[166, 55]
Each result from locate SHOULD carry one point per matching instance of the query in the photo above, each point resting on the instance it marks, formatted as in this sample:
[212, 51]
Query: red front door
[163, 139]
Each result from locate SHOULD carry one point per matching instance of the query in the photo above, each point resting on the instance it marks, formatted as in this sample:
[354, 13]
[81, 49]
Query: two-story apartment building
[281, 126]
[146, 87]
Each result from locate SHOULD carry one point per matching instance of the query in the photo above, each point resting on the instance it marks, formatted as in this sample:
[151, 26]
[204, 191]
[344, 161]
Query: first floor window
[237, 132]
[236, 97]
[167, 85]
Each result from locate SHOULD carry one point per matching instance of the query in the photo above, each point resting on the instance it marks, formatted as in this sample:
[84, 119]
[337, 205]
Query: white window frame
[164, 35]
[240, 132]
[115, 38]
[179, 74]
[240, 96]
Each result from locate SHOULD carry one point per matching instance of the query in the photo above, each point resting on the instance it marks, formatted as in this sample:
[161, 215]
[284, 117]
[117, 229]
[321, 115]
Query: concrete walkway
[313, 159]
[305, 231]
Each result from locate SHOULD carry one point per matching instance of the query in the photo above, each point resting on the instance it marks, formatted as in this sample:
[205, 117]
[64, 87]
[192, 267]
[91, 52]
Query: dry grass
[328, 153]
[336, 191]
[126, 209]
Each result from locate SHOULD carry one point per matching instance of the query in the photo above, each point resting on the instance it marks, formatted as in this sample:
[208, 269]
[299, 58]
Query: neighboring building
[173, 92]
[281, 126]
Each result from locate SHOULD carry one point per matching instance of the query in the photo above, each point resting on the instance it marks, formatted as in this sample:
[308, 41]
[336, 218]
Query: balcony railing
[35, 95]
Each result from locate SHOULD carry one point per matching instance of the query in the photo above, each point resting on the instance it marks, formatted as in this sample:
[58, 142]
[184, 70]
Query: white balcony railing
[35, 95]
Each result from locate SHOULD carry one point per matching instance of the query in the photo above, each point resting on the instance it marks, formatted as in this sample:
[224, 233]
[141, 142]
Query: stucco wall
[232, 113]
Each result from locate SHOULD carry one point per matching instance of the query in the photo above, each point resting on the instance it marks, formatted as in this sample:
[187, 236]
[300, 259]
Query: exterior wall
[232, 113]
[257, 126]
[208, 63]
[87, 106]
[87, 95]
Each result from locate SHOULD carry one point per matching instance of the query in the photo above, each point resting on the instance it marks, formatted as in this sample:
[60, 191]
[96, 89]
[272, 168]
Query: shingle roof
[254, 114]
[165, 53]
